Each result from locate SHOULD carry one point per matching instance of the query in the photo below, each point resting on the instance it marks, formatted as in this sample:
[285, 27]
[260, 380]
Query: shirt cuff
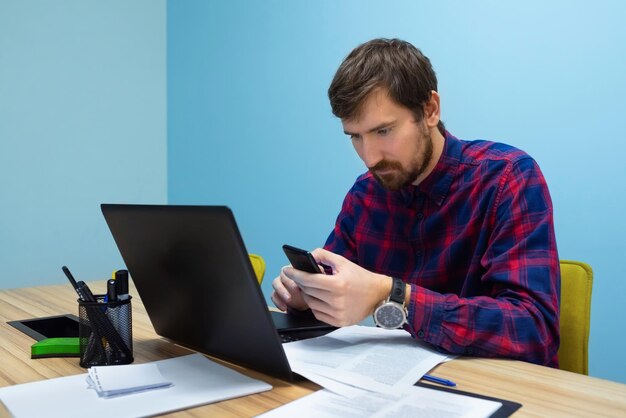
[425, 315]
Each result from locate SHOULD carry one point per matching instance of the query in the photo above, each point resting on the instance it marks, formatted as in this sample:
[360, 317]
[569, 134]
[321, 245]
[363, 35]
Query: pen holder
[105, 331]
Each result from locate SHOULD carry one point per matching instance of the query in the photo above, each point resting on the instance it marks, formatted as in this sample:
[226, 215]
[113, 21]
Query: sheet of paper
[365, 357]
[197, 381]
[331, 385]
[414, 402]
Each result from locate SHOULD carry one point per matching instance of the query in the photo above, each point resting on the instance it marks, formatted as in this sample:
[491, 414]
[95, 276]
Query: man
[460, 233]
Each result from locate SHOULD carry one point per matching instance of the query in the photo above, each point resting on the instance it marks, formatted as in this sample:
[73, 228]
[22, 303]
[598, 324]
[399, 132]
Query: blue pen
[439, 380]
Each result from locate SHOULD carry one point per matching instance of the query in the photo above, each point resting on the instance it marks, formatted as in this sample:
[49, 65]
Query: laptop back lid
[193, 274]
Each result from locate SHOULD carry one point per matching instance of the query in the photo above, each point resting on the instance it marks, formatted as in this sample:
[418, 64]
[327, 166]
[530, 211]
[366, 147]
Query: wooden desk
[544, 392]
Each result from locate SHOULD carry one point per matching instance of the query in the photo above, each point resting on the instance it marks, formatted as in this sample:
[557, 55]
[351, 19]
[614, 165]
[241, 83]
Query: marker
[111, 291]
[439, 380]
[106, 297]
[121, 284]
[121, 287]
[113, 311]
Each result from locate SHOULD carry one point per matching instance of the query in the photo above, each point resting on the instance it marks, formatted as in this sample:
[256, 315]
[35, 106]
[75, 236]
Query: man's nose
[370, 153]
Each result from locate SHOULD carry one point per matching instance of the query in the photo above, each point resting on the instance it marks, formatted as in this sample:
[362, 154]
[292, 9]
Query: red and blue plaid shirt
[476, 242]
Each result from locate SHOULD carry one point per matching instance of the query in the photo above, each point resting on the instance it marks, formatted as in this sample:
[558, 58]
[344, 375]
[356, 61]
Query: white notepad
[110, 381]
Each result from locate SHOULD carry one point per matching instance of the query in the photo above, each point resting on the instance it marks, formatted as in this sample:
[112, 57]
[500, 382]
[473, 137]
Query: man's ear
[432, 110]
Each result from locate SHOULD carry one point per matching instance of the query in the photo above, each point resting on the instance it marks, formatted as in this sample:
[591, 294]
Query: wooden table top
[543, 392]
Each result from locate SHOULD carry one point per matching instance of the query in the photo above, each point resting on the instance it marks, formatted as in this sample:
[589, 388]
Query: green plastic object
[56, 347]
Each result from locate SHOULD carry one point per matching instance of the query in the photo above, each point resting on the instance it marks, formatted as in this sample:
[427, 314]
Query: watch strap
[398, 289]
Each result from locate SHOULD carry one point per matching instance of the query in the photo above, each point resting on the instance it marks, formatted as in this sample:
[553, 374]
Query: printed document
[369, 358]
[414, 402]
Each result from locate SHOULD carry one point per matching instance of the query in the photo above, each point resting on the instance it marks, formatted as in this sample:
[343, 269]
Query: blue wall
[82, 121]
[249, 124]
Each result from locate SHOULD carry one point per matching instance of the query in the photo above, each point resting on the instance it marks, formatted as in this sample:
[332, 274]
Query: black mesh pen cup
[106, 332]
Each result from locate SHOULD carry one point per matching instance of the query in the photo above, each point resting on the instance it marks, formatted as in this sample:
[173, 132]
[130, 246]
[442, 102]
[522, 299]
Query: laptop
[193, 274]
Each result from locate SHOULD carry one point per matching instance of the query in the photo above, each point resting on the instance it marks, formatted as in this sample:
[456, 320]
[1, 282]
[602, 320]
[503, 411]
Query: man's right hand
[287, 294]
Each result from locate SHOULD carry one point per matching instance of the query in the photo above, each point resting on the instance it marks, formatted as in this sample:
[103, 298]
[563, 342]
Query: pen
[81, 288]
[70, 277]
[85, 292]
[439, 380]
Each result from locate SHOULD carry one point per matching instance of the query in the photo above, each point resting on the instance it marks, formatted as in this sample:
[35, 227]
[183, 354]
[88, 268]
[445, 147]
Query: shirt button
[420, 216]
[420, 334]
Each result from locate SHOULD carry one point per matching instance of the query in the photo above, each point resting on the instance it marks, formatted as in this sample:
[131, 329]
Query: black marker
[121, 284]
[121, 287]
[111, 291]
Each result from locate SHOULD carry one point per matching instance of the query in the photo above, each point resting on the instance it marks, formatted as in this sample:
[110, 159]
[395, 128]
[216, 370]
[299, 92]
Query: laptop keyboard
[303, 334]
[289, 337]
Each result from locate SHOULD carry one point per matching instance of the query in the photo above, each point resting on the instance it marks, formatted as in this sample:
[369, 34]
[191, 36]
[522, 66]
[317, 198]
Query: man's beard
[399, 177]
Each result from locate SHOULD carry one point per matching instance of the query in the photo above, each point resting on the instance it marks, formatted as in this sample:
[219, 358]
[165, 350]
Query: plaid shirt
[476, 242]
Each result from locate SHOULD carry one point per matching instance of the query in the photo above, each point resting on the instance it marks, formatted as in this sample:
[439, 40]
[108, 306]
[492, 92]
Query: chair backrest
[259, 266]
[576, 284]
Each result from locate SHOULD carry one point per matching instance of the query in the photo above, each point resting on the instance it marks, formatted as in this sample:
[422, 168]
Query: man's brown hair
[393, 64]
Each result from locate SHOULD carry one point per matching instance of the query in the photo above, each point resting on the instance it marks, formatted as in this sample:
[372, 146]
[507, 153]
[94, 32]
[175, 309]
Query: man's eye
[383, 131]
[355, 137]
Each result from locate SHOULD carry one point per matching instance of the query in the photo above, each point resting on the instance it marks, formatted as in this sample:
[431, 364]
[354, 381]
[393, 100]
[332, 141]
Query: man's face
[396, 149]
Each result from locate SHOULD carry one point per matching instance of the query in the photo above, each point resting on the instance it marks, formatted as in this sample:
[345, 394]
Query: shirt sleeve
[517, 315]
[340, 241]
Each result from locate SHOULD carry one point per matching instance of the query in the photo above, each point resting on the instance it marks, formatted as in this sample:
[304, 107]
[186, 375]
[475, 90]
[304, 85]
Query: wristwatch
[391, 313]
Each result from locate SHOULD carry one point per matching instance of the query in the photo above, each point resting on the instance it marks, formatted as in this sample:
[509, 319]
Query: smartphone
[302, 259]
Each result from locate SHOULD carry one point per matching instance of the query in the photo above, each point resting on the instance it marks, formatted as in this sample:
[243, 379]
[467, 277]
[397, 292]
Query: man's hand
[286, 293]
[344, 298]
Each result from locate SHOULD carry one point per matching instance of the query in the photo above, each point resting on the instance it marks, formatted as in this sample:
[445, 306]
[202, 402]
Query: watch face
[390, 316]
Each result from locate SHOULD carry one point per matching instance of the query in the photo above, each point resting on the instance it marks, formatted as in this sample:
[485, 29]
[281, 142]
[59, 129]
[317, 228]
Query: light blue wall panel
[250, 126]
[82, 121]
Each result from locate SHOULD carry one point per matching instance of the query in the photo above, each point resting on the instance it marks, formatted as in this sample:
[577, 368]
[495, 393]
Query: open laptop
[193, 274]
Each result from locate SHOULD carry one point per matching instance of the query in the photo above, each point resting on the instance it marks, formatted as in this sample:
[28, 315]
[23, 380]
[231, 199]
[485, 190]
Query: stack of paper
[357, 358]
[370, 372]
[110, 381]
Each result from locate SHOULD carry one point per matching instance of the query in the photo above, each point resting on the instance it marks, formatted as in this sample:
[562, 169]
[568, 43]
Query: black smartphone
[302, 259]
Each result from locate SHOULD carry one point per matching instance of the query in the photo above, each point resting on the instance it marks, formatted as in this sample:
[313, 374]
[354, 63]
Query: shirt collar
[437, 184]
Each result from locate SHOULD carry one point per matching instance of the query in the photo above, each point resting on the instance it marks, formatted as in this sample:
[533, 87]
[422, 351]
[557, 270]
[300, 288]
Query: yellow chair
[576, 283]
[258, 264]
